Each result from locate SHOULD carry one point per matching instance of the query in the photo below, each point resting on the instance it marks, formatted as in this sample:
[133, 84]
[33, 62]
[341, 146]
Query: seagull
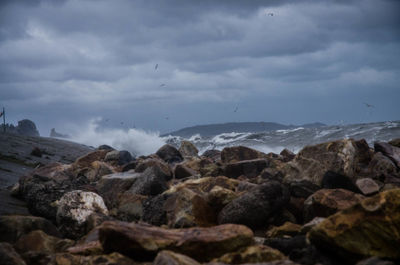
[122, 123]
[167, 118]
[107, 120]
[162, 85]
[270, 14]
[236, 109]
[369, 105]
[155, 67]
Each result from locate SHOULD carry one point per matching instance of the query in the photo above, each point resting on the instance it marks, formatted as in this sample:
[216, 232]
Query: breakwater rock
[333, 203]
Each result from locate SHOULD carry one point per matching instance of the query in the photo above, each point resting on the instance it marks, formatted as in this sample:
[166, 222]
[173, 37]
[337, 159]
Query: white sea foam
[136, 141]
[290, 130]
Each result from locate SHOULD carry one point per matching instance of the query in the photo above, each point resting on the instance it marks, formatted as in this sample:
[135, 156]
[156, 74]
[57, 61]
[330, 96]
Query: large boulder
[12, 227]
[8, 255]
[383, 169]
[167, 257]
[151, 182]
[247, 168]
[369, 228]
[187, 149]
[345, 157]
[142, 242]
[27, 127]
[142, 165]
[74, 209]
[41, 242]
[256, 206]
[239, 153]
[251, 254]
[169, 154]
[326, 202]
[389, 150]
[116, 157]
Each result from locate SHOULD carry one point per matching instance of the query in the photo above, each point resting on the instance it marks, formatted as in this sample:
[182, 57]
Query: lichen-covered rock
[8, 255]
[169, 154]
[367, 186]
[205, 166]
[187, 149]
[12, 227]
[142, 242]
[166, 257]
[39, 241]
[369, 228]
[383, 169]
[256, 206]
[251, 254]
[346, 157]
[326, 202]
[287, 229]
[74, 208]
[181, 171]
[247, 168]
[302, 188]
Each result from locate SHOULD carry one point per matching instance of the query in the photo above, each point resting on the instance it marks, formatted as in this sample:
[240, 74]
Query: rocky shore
[332, 203]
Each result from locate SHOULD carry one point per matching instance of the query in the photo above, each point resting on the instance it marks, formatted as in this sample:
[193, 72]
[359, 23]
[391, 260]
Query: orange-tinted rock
[252, 254]
[239, 153]
[39, 241]
[166, 257]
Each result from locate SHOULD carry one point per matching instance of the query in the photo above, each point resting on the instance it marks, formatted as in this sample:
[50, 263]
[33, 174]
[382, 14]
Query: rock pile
[332, 203]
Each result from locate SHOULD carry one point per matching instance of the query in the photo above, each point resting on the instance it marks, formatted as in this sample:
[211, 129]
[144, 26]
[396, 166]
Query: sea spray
[136, 141]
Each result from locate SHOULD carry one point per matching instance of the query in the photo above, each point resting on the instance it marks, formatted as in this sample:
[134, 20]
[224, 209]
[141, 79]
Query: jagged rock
[187, 149]
[389, 150]
[287, 155]
[239, 153]
[333, 180]
[74, 209]
[87, 160]
[130, 207]
[152, 162]
[346, 157]
[214, 155]
[205, 166]
[367, 186]
[375, 261]
[287, 229]
[118, 157]
[255, 207]
[39, 241]
[302, 188]
[151, 182]
[169, 154]
[326, 202]
[8, 256]
[55, 134]
[181, 171]
[69, 259]
[383, 169]
[395, 142]
[247, 168]
[251, 254]
[154, 211]
[12, 227]
[36, 152]
[369, 228]
[88, 245]
[143, 242]
[105, 147]
[27, 127]
[166, 257]
[308, 226]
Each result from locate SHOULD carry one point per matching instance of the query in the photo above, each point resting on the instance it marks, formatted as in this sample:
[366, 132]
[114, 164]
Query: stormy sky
[63, 63]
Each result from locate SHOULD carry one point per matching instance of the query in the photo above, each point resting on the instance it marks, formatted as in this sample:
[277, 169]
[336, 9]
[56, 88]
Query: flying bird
[270, 14]
[236, 109]
[155, 67]
[162, 85]
[369, 105]
[167, 118]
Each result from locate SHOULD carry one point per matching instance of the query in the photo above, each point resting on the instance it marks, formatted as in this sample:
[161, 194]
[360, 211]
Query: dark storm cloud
[99, 56]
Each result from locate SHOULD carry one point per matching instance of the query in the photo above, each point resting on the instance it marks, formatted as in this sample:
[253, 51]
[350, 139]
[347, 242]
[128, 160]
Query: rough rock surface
[239, 153]
[167, 257]
[169, 154]
[142, 242]
[187, 149]
[367, 186]
[248, 168]
[39, 241]
[8, 255]
[370, 228]
[74, 209]
[251, 254]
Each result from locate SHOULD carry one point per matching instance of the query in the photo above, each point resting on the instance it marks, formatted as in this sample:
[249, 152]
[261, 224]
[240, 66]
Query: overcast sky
[63, 63]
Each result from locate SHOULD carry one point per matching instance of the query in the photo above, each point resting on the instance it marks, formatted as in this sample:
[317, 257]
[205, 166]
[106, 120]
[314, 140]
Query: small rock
[367, 186]
[287, 229]
[8, 256]
[169, 154]
[166, 257]
[247, 168]
[251, 254]
[239, 153]
[287, 155]
[39, 241]
[36, 152]
[74, 209]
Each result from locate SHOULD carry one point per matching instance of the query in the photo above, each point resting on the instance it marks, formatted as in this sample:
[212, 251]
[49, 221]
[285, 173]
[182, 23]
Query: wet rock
[255, 207]
[287, 229]
[74, 209]
[239, 153]
[187, 149]
[383, 169]
[308, 226]
[287, 155]
[39, 241]
[152, 162]
[8, 256]
[118, 157]
[326, 202]
[169, 154]
[105, 147]
[370, 228]
[154, 211]
[130, 207]
[181, 171]
[302, 188]
[219, 197]
[287, 244]
[12, 227]
[367, 186]
[88, 245]
[251, 254]
[333, 180]
[205, 166]
[247, 168]
[346, 157]
[151, 182]
[389, 150]
[213, 154]
[143, 242]
[166, 257]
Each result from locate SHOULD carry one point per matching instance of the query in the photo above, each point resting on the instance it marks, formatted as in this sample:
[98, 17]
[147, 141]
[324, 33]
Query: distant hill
[215, 129]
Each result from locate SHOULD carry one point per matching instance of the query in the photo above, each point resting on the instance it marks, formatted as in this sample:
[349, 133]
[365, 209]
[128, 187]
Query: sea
[141, 142]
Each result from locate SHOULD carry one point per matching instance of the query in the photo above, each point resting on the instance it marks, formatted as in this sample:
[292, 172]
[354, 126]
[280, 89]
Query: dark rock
[131, 165]
[118, 157]
[395, 142]
[326, 202]
[288, 244]
[271, 173]
[205, 166]
[36, 152]
[8, 256]
[169, 154]
[12, 227]
[383, 169]
[39, 241]
[153, 162]
[105, 147]
[166, 257]
[187, 149]
[375, 261]
[287, 229]
[389, 150]
[55, 134]
[367, 186]
[27, 127]
[153, 210]
[130, 207]
[253, 254]
[333, 180]
[239, 153]
[287, 155]
[151, 182]
[255, 207]
[142, 242]
[248, 168]
[213, 154]
[302, 188]
[181, 171]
